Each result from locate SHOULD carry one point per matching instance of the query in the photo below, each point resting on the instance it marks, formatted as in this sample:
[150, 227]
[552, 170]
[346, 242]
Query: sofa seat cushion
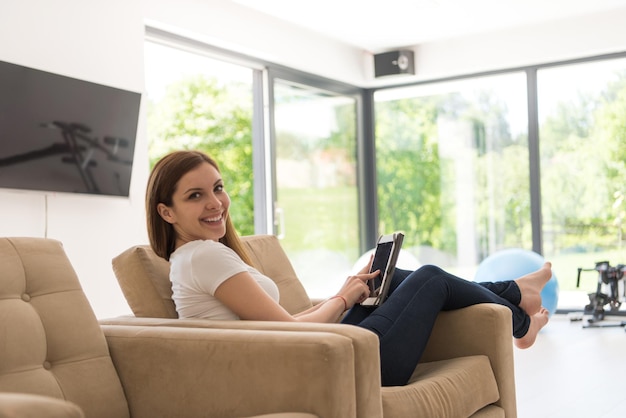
[448, 388]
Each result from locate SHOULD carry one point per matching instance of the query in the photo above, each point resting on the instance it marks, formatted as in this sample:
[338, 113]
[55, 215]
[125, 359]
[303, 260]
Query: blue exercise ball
[513, 263]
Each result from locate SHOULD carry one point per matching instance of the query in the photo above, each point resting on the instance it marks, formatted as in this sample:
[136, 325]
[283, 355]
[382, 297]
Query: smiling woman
[199, 206]
[183, 184]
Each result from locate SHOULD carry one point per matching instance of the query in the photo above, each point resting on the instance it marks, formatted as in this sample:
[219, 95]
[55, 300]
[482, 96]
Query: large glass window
[316, 183]
[582, 132]
[198, 102]
[452, 169]
[452, 162]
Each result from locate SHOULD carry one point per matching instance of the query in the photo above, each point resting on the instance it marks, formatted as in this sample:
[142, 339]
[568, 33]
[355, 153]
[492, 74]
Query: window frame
[266, 72]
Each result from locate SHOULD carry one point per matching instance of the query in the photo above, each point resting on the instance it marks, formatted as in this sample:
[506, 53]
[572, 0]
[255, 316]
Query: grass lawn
[323, 218]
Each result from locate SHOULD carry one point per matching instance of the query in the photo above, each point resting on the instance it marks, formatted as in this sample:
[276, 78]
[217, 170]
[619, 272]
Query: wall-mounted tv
[61, 134]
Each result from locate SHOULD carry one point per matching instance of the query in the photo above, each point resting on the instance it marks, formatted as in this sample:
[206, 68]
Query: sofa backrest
[145, 281]
[144, 277]
[50, 340]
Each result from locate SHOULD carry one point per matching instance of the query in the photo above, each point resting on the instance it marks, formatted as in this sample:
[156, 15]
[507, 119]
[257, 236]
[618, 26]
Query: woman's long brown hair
[162, 184]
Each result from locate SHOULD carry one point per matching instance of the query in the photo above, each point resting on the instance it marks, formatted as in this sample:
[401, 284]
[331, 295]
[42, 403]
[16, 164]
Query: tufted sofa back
[50, 341]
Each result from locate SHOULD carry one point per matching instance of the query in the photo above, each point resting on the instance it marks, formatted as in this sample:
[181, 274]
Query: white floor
[573, 371]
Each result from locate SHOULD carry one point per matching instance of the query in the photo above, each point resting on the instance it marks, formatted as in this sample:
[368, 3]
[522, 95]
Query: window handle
[279, 222]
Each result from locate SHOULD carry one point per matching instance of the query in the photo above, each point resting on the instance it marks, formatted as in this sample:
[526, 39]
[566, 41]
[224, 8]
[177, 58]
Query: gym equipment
[610, 280]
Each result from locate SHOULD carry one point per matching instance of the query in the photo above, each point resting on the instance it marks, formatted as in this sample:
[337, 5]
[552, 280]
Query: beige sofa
[467, 369]
[57, 361]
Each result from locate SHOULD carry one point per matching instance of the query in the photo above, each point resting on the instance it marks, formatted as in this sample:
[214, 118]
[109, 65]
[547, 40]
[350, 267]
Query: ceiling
[380, 25]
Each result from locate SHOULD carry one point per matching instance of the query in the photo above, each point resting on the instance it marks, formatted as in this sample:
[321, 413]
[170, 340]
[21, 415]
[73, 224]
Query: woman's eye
[194, 195]
[219, 188]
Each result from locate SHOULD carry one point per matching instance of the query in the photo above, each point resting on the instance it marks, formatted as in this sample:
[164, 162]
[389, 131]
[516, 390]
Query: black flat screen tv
[61, 134]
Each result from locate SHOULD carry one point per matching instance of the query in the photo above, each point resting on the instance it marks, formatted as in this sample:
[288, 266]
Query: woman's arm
[245, 297]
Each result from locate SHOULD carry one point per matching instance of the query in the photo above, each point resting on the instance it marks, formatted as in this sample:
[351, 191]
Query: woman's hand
[355, 289]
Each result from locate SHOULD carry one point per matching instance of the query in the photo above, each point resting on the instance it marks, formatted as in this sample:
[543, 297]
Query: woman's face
[199, 206]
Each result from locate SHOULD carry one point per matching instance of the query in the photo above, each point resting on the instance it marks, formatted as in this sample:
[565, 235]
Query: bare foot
[530, 287]
[537, 321]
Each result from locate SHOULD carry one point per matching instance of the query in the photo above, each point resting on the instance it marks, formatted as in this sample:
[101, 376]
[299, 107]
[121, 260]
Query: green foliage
[420, 144]
[503, 199]
[408, 171]
[583, 161]
[316, 172]
[199, 113]
[611, 122]
[584, 168]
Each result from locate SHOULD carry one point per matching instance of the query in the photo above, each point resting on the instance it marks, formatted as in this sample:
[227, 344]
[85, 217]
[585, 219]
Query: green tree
[420, 143]
[611, 128]
[408, 170]
[199, 113]
[584, 161]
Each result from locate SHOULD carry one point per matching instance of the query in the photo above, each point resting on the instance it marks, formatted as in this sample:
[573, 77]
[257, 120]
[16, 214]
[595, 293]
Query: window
[582, 131]
[316, 182]
[306, 171]
[452, 160]
[452, 168]
[198, 102]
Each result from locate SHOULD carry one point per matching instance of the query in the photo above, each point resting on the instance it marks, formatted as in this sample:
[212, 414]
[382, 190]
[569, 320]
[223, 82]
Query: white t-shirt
[198, 268]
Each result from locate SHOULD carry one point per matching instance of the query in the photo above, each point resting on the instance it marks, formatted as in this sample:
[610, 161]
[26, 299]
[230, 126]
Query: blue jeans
[404, 322]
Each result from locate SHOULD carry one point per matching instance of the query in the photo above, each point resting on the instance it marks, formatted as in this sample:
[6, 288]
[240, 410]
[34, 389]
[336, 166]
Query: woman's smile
[213, 220]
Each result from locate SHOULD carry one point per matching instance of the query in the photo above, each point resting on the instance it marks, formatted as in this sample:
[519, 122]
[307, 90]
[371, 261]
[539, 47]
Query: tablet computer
[385, 258]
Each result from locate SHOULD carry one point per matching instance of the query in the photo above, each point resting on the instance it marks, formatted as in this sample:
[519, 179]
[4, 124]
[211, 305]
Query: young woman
[213, 277]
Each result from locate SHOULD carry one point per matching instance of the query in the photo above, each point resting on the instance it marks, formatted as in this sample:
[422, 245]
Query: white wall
[228, 25]
[581, 37]
[102, 41]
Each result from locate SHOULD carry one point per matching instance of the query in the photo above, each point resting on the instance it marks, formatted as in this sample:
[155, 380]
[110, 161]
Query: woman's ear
[165, 213]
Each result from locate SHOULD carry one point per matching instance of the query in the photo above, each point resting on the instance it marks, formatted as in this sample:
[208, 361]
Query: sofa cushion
[271, 260]
[145, 281]
[490, 411]
[56, 346]
[144, 277]
[458, 387]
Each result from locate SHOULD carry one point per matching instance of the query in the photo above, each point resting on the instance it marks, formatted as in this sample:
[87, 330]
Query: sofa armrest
[25, 405]
[365, 346]
[191, 372]
[480, 329]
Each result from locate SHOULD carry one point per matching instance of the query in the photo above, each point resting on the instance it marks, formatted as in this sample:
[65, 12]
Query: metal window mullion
[534, 163]
[261, 182]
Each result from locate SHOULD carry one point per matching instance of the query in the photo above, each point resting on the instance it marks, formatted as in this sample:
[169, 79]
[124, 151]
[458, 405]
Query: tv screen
[61, 134]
